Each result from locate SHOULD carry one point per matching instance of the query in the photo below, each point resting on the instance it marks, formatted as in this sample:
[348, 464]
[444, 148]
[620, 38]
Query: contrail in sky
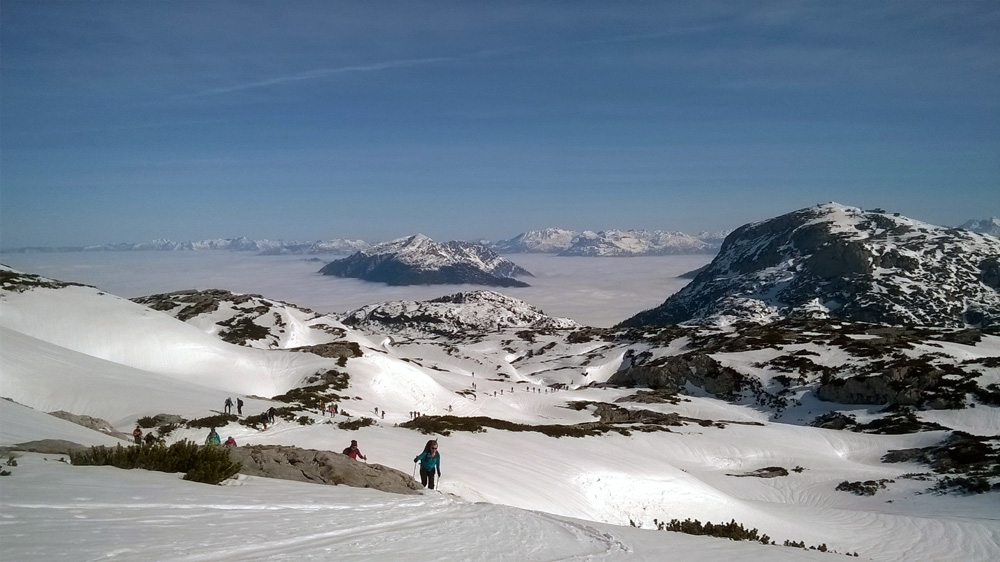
[323, 72]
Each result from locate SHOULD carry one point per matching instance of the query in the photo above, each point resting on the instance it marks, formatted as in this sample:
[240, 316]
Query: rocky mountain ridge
[834, 261]
[418, 260]
[989, 226]
[247, 319]
[631, 243]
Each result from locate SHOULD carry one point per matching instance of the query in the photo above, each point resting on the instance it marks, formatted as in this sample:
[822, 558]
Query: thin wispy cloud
[321, 73]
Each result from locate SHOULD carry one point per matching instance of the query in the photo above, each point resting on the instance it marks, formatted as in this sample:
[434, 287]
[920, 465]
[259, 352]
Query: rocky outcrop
[833, 261]
[321, 467]
[49, 447]
[97, 424]
[247, 319]
[472, 311]
[903, 385]
[418, 260]
[673, 373]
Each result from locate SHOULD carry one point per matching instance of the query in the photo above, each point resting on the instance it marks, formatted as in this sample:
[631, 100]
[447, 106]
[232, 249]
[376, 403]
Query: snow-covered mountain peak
[833, 260]
[418, 260]
[547, 240]
[627, 243]
[989, 226]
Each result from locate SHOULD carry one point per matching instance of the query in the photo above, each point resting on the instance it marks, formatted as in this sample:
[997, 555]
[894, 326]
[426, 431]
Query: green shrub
[167, 428]
[210, 465]
[356, 424]
[146, 422]
[213, 421]
[732, 530]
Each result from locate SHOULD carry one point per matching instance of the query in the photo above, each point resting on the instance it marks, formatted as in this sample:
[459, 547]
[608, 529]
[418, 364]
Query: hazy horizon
[596, 292]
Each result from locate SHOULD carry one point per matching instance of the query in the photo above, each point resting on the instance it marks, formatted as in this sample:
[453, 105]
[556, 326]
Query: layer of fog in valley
[593, 291]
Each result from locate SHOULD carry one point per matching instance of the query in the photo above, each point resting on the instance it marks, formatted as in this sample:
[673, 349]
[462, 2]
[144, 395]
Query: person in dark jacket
[430, 463]
[137, 435]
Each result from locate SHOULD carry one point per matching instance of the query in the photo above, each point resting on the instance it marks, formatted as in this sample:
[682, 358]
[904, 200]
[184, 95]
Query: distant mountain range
[339, 246]
[418, 260]
[833, 261]
[989, 226]
[605, 243]
[610, 243]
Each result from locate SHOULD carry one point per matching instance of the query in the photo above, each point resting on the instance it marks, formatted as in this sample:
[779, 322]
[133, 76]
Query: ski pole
[414, 471]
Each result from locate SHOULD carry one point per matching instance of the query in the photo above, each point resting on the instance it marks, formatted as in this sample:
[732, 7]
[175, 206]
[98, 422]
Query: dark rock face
[832, 261]
[322, 467]
[672, 373]
[420, 261]
[903, 385]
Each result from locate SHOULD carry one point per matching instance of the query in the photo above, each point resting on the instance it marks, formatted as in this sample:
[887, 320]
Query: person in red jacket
[354, 452]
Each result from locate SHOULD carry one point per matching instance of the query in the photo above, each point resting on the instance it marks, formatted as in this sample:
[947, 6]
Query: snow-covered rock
[628, 243]
[834, 261]
[418, 260]
[474, 311]
[989, 226]
[549, 240]
[247, 319]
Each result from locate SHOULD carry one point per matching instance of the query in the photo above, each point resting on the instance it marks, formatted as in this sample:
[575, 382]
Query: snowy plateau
[559, 440]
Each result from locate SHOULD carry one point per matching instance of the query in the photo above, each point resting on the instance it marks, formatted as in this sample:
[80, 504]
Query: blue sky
[129, 121]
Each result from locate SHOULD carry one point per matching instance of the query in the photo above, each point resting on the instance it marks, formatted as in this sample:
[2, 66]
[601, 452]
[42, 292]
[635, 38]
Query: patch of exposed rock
[49, 447]
[321, 467]
[97, 424]
[672, 373]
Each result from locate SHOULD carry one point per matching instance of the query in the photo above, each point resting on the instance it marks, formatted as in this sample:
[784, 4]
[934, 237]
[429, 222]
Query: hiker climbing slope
[430, 463]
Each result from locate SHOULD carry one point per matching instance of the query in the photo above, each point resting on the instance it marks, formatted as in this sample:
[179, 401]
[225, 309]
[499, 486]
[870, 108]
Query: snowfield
[504, 495]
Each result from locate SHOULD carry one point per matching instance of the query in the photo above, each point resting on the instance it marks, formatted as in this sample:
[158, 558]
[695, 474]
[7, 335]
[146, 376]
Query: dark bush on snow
[212, 421]
[210, 465]
[356, 424]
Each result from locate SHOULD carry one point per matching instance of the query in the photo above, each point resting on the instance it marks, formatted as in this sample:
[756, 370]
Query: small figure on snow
[430, 462]
[213, 439]
[239, 406]
[137, 435]
[354, 452]
[228, 407]
[230, 442]
[271, 412]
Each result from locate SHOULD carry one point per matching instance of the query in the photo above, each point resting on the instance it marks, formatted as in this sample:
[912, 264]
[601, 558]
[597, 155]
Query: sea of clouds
[593, 291]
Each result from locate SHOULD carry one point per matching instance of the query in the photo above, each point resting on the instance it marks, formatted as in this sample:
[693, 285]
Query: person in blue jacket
[430, 463]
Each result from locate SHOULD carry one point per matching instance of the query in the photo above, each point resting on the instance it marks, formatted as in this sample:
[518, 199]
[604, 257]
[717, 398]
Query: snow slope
[506, 495]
